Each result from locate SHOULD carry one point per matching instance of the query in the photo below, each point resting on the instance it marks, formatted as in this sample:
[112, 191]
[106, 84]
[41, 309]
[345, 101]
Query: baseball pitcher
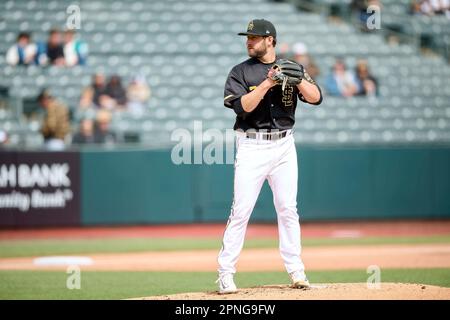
[263, 92]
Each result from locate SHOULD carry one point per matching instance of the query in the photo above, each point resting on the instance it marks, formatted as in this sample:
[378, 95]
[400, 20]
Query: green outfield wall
[144, 186]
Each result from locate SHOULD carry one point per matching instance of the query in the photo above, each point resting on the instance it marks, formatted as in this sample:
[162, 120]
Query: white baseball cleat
[226, 283]
[299, 280]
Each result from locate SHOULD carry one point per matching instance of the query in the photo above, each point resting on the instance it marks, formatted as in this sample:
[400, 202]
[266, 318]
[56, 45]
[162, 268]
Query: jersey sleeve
[308, 78]
[234, 89]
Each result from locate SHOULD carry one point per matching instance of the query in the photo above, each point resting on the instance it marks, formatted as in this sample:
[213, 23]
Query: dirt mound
[335, 291]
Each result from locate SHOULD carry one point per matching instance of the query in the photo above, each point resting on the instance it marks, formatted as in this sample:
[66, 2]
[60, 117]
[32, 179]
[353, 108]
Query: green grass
[120, 285]
[26, 248]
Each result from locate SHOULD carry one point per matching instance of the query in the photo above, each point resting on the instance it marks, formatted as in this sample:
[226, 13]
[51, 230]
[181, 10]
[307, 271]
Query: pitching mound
[335, 291]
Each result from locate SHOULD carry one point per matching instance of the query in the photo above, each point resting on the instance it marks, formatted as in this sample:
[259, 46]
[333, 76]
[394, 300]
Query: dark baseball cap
[260, 27]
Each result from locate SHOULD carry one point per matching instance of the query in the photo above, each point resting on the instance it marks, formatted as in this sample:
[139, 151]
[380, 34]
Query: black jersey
[275, 111]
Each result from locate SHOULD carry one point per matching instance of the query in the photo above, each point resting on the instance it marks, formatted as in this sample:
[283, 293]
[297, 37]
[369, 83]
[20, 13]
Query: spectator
[431, 7]
[103, 134]
[366, 82]
[75, 51]
[23, 52]
[4, 139]
[116, 92]
[415, 7]
[138, 94]
[4, 92]
[341, 82]
[52, 52]
[86, 132]
[90, 98]
[283, 51]
[302, 57]
[56, 122]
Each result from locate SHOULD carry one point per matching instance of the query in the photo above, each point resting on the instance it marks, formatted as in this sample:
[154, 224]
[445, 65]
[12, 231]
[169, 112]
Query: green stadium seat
[170, 41]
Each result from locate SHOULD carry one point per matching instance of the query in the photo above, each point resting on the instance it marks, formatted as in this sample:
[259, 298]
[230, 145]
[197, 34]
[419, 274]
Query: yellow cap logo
[250, 26]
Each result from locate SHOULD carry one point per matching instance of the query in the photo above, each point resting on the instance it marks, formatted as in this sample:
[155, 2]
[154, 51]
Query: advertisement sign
[39, 189]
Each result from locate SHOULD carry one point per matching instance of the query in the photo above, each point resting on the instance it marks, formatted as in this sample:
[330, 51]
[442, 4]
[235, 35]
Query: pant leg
[283, 182]
[251, 169]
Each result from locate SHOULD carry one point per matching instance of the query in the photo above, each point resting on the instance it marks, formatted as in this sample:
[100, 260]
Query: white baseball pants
[258, 160]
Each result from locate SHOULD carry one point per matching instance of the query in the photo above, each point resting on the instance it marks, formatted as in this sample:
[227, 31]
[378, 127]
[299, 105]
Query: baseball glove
[287, 73]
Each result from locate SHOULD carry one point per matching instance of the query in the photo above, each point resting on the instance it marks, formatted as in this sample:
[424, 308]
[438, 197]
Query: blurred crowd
[61, 49]
[98, 103]
[110, 94]
[299, 53]
[431, 7]
[360, 10]
[90, 121]
[341, 81]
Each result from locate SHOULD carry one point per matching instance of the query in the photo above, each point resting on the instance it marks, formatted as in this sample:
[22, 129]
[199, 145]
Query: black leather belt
[267, 135]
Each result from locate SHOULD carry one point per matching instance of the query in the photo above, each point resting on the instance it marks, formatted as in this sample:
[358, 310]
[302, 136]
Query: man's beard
[258, 53]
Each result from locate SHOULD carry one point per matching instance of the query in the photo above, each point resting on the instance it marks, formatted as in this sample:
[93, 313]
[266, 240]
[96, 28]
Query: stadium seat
[186, 49]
